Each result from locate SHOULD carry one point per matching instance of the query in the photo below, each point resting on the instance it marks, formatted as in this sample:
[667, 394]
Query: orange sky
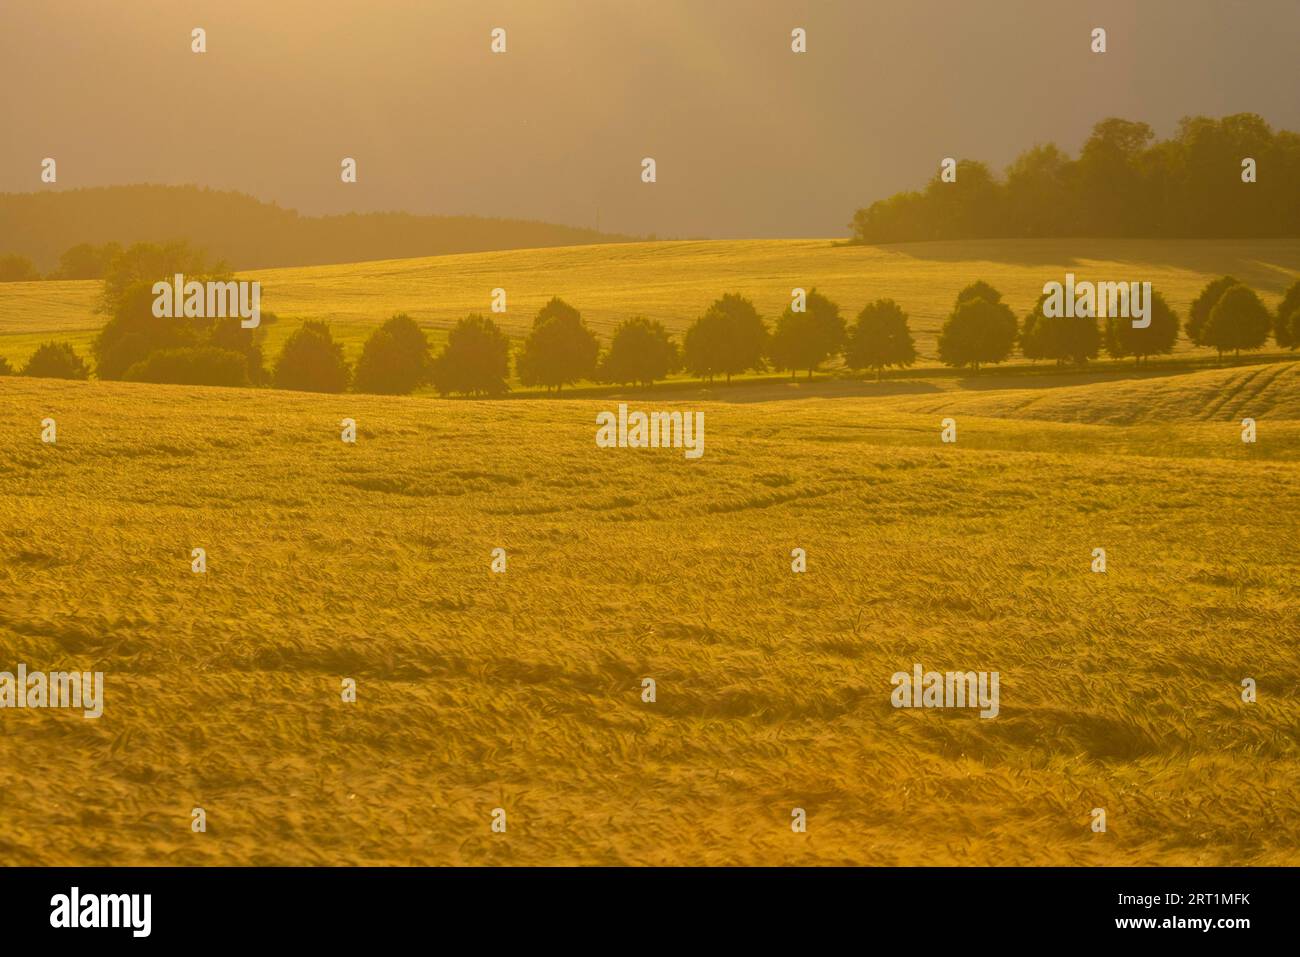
[750, 139]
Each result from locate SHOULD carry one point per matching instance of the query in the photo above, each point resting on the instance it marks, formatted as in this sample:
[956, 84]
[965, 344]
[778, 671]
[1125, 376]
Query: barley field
[523, 690]
[675, 281]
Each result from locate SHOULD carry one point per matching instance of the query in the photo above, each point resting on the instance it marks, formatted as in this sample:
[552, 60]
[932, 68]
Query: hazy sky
[750, 139]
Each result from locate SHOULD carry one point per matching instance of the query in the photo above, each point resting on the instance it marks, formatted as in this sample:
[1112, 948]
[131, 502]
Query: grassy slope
[675, 281]
[1266, 391]
[523, 690]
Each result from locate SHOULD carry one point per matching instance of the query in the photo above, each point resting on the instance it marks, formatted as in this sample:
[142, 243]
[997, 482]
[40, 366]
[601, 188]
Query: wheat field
[675, 281]
[522, 690]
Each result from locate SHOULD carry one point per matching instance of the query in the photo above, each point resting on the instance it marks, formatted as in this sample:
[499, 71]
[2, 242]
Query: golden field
[675, 282]
[523, 690]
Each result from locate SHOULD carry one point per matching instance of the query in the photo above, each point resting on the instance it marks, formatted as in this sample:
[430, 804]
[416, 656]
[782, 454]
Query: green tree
[977, 331]
[979, 289]
[56, 360]
[968, 208]
[15, 268]
[87, 261]
[560, 350]
[151, 262]
[1158, 338]
[228, 334]
[639, 353]
[5, 367]
[1286, 325]
[311, 361]
[1199, 313]
[1289, 324]
[1033, 339]
[1110, 172]
[704, 347]
[134, 332]
[475, 361]
[201, 365]
[395, 359]
[1040, 200]
[1122, 184]
[1073, 339]
[1238, 321]
[730, 338]
[1204, 202]
[880, 338]
[804, 340]
[556, 308]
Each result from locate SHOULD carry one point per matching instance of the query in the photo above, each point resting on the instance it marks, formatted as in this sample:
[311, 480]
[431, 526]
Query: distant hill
[248, 233]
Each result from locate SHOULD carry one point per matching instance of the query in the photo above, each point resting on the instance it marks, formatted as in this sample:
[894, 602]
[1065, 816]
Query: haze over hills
[250, 234]
[752, 140]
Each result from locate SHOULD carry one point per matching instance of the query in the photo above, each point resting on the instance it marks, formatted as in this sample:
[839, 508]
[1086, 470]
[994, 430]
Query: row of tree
[1230, 177]
[1227, 316]
[729, 338]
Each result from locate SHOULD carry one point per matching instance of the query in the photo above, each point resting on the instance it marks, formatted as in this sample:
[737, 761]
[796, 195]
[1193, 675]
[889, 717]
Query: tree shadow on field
[744, 393]
[1236, 257]
[1010, 252]
[926, 381]
[992, 382]
[1048, 378]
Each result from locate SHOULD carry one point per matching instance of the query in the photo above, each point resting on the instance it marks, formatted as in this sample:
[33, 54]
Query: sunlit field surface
[522, 690]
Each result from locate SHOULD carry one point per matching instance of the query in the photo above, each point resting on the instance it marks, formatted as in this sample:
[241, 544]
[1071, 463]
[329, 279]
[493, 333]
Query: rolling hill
[523, 690]
[1270, 390]
[246, 232]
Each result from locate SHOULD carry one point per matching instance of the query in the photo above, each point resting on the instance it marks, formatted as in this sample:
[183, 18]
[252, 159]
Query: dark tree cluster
[730, 338]
[1123, 183]
[1226, 316]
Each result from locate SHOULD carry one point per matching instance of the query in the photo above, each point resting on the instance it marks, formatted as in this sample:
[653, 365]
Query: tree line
[729, 338]
[1226, 315]
[1124, 183]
